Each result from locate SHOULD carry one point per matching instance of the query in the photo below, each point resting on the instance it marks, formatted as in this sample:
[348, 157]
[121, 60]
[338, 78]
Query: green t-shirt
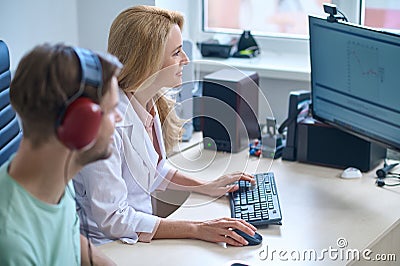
[33, 232]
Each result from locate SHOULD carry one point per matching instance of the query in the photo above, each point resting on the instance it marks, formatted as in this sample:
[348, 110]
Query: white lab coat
[115, 193]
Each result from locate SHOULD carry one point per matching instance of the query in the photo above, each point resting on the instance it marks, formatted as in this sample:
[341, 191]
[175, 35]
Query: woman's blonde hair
[138, 37]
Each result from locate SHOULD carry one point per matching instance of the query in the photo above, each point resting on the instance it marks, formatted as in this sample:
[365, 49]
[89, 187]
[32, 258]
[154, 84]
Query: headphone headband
[78, 124]
[91, 70]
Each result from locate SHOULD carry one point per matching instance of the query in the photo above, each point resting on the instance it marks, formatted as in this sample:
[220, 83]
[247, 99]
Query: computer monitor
[355, 80]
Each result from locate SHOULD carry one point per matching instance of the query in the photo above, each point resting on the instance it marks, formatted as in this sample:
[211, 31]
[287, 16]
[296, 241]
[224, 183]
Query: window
[289, 18]
[282, 18]
[382, 14]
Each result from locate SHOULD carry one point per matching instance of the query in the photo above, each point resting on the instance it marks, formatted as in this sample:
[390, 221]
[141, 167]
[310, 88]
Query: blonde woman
[148, 41]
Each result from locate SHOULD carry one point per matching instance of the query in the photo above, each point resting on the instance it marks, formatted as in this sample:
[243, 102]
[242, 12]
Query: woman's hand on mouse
[224, 184]
[221, 230]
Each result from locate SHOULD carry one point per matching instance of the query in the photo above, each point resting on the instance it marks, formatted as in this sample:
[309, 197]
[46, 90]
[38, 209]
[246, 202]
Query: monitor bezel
[380, 141]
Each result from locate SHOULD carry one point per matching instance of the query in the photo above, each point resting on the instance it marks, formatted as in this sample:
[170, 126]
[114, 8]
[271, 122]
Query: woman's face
[174, 59]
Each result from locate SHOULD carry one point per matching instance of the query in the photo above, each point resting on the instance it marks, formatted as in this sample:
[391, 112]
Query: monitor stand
[320, 143]
[393, 155]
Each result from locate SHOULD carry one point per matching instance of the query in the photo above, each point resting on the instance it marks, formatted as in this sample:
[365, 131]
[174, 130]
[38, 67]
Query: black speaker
[319, 143]
[298, 110]
[229, 109]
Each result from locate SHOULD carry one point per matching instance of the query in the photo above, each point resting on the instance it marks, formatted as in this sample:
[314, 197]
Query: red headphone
[78, 124]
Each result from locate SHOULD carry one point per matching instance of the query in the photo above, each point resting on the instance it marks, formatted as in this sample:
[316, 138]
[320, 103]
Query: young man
[66, 98]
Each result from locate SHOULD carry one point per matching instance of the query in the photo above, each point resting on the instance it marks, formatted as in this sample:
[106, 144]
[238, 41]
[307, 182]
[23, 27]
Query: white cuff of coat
[148, 223]
[167, 179]
[162, 172]
[147, 237]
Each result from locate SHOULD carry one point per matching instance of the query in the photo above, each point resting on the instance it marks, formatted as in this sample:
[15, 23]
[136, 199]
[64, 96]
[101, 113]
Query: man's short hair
[45, 79]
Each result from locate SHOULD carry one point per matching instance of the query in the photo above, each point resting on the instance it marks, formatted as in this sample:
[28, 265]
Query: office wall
[95, 18]
[183, 6]
[26, 23]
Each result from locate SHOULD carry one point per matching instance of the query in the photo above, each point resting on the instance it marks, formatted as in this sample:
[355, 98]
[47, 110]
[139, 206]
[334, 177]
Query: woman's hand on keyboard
[224, 184]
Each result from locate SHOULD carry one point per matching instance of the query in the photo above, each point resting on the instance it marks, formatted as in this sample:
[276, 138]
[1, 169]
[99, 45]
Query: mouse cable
[380, 182]
[382, 172]
[85, 224]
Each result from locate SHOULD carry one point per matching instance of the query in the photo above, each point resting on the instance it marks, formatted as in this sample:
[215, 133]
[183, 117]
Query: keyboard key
[255, 203]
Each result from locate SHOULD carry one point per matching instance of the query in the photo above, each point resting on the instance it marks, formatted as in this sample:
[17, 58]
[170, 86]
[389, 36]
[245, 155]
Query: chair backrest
[10, 131]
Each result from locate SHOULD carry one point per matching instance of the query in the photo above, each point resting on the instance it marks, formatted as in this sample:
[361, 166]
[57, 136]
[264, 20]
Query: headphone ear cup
[80, 124]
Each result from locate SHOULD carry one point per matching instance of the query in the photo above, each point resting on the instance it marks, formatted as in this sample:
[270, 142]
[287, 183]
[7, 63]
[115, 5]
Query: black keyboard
[257, 204]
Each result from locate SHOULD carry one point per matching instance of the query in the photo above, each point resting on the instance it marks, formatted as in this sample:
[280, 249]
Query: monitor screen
[355, 79]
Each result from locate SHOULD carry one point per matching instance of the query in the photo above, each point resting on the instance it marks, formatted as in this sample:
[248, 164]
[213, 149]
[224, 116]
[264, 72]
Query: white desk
[317, 209]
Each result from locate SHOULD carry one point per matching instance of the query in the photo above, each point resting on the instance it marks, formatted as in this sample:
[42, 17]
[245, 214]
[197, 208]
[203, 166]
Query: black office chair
[10, 131]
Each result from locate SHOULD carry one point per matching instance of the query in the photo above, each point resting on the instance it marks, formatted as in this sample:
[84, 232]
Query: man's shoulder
[7, 186]
[3, 172]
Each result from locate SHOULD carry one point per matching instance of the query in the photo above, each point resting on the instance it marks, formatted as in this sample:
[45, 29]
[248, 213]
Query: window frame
[353, 9]
[271, 42]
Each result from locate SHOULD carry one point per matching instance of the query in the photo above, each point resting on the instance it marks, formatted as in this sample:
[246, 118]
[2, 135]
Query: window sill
[288, 66]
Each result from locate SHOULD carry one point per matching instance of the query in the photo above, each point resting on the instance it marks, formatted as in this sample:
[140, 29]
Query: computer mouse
[351, 173]
[237, 263]
[253, 240]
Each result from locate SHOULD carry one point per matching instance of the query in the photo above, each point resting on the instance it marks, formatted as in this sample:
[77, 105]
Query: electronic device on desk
[258, 204]
[229, 109]
[355, 80]
[299, 102]
[272, 142]
[311, 141]
[385, 176]
[247, 46]
[217, 48]
[323, 144]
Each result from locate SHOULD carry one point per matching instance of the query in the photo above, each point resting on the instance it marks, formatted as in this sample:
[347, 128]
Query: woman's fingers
[222, 230]
[231, 178]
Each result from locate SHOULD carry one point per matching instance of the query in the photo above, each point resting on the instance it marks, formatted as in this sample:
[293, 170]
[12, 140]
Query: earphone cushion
[80, 124]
